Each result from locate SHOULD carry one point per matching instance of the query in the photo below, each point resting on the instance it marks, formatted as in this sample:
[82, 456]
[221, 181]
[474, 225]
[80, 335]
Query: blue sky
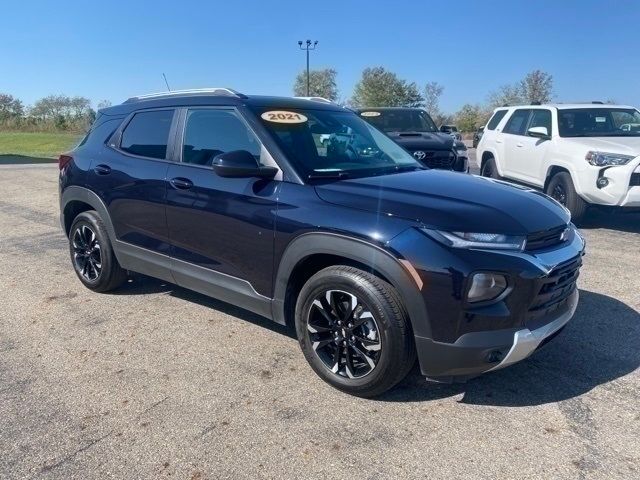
[115, 49]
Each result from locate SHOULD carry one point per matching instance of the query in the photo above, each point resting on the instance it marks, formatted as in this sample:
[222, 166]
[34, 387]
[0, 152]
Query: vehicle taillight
[63, 160]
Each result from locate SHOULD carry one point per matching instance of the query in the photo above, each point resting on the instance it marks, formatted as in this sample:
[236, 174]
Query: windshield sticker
[370, 114]
[281, 116]
[601, 119]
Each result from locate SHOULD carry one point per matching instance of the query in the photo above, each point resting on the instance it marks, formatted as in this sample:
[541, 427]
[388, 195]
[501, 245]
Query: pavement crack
[68, 458]
[151, 407]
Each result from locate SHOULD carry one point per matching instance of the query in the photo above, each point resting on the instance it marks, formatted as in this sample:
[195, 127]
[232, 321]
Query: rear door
[221, 229]
[513, 138]
[130, 177]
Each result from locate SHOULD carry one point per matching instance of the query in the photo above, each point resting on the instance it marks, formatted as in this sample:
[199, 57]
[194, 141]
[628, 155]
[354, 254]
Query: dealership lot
[154, 381]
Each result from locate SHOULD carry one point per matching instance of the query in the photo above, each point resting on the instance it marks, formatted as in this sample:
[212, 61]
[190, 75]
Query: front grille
[635, 180]
[545, 239]
[553, 291]
[437, 159]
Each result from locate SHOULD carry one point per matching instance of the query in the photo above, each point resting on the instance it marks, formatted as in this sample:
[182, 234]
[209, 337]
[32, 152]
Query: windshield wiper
[401, 168]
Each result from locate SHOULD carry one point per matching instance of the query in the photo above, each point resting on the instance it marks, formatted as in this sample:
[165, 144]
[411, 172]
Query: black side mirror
[241, 164]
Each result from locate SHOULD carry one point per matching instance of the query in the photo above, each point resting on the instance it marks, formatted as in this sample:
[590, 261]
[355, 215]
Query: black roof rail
[536, 102]
[597, 102]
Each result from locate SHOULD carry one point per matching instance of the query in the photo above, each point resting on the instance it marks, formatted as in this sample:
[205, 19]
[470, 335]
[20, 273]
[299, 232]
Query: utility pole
[309, 45]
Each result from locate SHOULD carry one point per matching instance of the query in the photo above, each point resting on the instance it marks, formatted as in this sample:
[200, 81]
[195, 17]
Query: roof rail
[597, 102]
[222, 91]
[316, 99]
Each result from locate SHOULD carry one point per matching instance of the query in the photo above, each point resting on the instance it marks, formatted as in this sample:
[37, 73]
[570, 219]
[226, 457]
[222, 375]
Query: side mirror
[538, 132]
[241, 164]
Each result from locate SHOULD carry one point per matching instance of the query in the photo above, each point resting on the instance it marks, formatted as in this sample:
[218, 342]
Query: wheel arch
[552, 170]
[311, 252]
[486, 155]
[75, 200]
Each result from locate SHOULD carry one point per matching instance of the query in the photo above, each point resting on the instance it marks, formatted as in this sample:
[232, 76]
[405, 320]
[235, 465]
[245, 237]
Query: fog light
[486, 286]
[602, 182]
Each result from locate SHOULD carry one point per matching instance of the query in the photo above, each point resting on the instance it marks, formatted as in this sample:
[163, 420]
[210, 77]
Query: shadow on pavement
[599, 345]
[624, 222]
[10, 159]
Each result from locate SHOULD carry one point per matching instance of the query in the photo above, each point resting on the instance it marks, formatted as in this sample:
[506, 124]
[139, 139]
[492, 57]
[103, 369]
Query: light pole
[309, 45]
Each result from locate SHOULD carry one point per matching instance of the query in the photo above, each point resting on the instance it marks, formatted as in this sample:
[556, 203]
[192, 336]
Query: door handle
[102, 169]
[181, 183]
[498, 141]
[519, 145]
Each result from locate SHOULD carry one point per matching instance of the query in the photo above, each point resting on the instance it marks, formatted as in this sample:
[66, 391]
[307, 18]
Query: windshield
[403, 121]
[599, 122]
[334, 144]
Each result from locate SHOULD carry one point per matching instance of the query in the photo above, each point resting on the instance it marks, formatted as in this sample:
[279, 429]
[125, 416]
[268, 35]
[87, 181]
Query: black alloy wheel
[344, 334]
[87, 252]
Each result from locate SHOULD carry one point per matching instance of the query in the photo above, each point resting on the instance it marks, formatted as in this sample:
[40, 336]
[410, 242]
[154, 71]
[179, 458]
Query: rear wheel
[561, 189]
[353, 331]
[489, 169]
[92, 255]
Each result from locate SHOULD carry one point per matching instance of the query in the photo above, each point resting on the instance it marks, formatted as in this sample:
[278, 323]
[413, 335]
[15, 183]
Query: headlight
[462, 152]
[603, 159]
[495, 241]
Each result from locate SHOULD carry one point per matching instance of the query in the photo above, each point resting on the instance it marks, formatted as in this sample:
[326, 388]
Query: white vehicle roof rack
[222, 91]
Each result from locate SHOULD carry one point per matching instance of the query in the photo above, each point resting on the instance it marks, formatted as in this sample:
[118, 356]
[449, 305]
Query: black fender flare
[75, 193]
[358, 250]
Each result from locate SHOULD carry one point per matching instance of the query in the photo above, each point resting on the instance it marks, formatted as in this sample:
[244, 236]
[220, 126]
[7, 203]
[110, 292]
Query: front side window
[517, 123]
[541, 118]
[495, 120]
[599, 122]
[404, 121]
[210, 132]
[147, 134]
[330, 143]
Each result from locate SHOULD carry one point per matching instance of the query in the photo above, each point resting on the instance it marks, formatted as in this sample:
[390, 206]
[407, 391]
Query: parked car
[579, 154]
[451, 130]
[477, 135]
[413, 129]
[373, 258]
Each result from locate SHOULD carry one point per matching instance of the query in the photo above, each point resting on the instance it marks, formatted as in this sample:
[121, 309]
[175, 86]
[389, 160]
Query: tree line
[379, 87]
[51, 113]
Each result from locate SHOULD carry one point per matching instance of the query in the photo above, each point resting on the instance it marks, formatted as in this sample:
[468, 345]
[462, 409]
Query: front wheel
[354, 331]
[561, 189]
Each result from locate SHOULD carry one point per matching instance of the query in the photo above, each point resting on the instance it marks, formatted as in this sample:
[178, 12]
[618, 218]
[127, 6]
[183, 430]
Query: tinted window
[495, 120]
[212, 132]
[147, 134]
[599, 122]
[541, 118]
[400, 120]
[517, 123]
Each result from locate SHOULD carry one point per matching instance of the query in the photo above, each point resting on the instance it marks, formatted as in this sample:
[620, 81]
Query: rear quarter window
[147, 134]
[495, 119]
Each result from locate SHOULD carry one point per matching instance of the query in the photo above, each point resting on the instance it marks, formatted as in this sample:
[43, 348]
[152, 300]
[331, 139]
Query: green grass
[28, 147]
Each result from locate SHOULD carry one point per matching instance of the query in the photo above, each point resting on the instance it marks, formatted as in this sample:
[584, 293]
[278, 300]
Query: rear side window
[210, 132]
[147, 134]
[517, 123]
[541, 118]
[495, 120]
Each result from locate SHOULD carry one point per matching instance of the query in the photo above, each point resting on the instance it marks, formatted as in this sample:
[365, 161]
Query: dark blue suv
[301, 211]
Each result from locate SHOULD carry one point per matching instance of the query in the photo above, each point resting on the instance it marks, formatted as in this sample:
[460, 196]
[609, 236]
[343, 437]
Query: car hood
[449, 201]
[423, 140]
[624, 145]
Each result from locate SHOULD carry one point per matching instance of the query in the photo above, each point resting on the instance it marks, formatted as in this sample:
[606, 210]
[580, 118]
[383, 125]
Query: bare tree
[537, 86]
[432, 93]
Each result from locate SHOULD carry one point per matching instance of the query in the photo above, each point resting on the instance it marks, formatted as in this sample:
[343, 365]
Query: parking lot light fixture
[307, 46]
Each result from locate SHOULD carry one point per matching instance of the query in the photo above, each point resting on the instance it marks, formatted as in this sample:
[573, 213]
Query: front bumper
[621, 190]
[460, 341]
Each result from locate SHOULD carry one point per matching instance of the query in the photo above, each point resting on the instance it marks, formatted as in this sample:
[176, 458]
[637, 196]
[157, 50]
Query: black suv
[373, 257]
[413, 129]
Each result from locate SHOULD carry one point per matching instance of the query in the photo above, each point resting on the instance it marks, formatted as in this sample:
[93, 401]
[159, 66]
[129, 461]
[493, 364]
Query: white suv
[580, 154]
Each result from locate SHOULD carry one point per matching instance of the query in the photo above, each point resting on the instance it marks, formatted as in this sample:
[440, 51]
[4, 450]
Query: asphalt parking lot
[154, 381]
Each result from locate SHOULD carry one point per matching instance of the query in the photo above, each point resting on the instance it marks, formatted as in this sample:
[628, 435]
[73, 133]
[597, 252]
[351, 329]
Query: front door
[221, 229]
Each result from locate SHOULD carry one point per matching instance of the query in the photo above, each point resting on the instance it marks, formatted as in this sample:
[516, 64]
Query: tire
[378, 328]
[561, 189]
[92, 255]
[490, 170]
